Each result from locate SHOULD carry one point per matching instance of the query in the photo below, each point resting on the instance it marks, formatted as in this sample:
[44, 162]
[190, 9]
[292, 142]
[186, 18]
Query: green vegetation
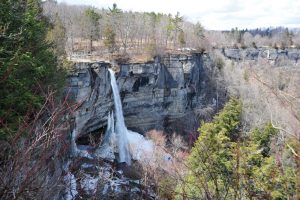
[57, 35]
[181, 38]
[28, 64]
[93, 32]
[226, 161]
[227, 164]
[110, 39]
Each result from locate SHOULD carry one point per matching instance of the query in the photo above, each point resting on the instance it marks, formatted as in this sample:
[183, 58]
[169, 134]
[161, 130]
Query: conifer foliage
[227, 164]
[28, 65]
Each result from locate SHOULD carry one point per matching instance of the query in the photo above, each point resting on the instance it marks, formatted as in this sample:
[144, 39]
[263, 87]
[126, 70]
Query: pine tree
[28, 66]
[93, 25]
[228, 164]
[177, 24]
[211, 169]
[110, 39]
[57, 35]
[181, 38]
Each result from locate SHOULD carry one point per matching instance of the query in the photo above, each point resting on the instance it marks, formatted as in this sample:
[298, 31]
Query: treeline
[114, 30]
[108, 30]
[279, 37]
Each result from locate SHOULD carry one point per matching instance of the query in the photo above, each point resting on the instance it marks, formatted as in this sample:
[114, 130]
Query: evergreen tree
[261, 175]
[226, 164]
[170, 28]
[177, 24]
[93, 25]
[110, 39]
[199, 31]
[28, 66]
[115, 10]
[181, 38]
[210, 160]
[57, 35]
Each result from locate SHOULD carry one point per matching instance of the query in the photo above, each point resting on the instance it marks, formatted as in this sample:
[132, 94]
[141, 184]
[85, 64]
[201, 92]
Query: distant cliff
[274, 55]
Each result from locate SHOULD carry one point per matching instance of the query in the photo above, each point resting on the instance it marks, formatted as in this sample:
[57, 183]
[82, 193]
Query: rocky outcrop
[275, 55]
[153, 93]
[99, 179]
[156, 93]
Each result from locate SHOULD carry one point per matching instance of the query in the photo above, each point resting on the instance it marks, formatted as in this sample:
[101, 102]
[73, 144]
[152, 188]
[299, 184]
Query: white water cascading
[120, 129]
[131, 145]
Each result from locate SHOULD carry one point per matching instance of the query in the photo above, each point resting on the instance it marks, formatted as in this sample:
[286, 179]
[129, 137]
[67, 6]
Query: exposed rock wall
[152, 93]
[274, 55]
[158, 92]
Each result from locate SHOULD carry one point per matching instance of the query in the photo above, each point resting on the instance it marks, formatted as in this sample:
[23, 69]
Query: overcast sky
[216, 14]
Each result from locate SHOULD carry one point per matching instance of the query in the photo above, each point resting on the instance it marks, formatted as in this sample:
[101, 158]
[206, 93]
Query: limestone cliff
[153, 93]
[159, 92]
[276, 56]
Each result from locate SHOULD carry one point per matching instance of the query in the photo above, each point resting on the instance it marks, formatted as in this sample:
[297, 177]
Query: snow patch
[89, 183]
[70, 192]
[140, 148]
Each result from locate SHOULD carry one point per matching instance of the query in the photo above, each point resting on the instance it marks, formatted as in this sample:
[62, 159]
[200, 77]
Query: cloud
[216, 14]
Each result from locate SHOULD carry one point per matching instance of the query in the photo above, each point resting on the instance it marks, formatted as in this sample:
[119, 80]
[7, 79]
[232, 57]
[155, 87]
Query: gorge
[163, 94]
[169, 93]
[153, 94]
[105, 102]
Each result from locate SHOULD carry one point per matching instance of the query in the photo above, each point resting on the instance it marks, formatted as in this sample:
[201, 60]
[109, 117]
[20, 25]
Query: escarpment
[164, 93]
[154, 94]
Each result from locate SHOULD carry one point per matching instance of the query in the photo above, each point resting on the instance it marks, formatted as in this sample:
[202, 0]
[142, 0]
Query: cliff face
[153, 93]
[274, 55]
[156, 94]
[171, 91]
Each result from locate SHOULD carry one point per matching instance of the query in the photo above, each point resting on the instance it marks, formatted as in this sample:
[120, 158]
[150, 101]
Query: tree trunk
[175, 38]
[237, 184]
[91, 45]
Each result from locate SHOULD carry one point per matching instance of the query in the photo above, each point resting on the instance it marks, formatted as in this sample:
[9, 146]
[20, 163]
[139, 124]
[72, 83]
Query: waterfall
[109, 137]
[131, 145]
[120, 129]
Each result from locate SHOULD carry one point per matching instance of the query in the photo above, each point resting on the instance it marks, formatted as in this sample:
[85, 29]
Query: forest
[94, 31]
[246, 143]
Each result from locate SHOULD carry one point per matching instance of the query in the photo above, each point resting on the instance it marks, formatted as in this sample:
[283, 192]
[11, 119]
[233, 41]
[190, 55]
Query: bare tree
[248, 40]
[33, 166]
[269, 95]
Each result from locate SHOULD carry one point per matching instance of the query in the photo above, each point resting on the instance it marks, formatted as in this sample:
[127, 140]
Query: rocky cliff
[157, 93]
[277, 56]
[170, 92]
[153, 94]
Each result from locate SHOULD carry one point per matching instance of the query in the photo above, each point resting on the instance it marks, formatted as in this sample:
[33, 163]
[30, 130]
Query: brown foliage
[31, 163]
[166, 167]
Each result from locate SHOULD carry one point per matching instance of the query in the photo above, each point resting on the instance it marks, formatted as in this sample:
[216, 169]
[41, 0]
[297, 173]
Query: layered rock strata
[152, 93]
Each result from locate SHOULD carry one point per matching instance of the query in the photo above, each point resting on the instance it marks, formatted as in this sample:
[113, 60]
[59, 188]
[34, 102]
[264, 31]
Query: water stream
[131, 145]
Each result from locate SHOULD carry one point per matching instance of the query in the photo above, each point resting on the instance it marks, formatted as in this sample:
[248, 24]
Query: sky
[215, 14]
